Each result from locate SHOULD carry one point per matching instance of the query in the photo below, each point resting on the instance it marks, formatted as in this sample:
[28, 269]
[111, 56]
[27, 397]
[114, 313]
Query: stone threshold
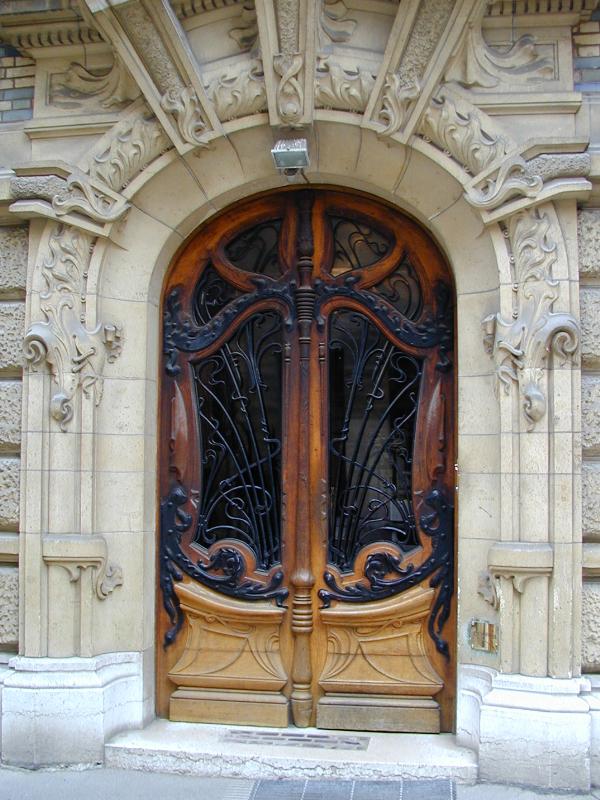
[255, 753]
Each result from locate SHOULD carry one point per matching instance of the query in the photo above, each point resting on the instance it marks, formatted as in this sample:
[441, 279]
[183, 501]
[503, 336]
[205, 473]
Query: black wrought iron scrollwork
[211, 295]
[437, 521]
[182, 334]
[402, 290]
[238, 402]
[256, 250]
[225, 571]
[373, 404]
[356, 244]
[433, 330]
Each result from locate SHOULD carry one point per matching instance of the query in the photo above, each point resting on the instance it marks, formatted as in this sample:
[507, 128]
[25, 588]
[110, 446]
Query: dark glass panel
[356, 245]
[373, 390]
[256, 250]
[239, 400]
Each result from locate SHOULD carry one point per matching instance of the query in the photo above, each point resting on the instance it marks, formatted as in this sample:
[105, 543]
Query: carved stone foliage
[239, 92]
[133, 144]
[246, 34]
[462, 134]
[334, 23]
[516, 177]
[106, 88]
[479, 65]
[402, 86]
[337, 87]
[74, 353]
[520, 347]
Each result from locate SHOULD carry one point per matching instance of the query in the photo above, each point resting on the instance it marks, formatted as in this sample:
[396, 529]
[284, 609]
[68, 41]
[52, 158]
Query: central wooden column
[302, 578]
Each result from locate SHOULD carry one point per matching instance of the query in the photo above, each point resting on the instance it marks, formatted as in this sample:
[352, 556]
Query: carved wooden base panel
[378, 675]
[230, 669]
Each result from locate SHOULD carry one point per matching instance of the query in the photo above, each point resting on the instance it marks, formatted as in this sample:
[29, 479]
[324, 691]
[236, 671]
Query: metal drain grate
[353, 790]
[293, 739]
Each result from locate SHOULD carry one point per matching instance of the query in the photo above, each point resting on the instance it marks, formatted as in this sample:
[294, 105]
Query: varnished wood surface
[304, 635]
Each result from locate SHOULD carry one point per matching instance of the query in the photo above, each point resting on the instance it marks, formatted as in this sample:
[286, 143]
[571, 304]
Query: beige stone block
[426, 189]
[123, 407]
[12, 324]
[119, 502]
[590, 627]
[586, 51]
[590, 414]
[588, 233]
[472, 567]
[331, 158]
[591, 499]
[590, 326]
[478, 405]
[10, 415]
[9, 493]
[140, 339]
[14, 244]
[478, 453]
[140, 250]
[479, 506]
[9, 607]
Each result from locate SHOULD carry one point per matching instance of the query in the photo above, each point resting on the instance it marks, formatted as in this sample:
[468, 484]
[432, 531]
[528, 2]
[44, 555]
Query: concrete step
[262, 753]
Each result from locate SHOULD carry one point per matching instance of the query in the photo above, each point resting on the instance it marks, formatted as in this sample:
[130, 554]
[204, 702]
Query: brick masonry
[17, 75]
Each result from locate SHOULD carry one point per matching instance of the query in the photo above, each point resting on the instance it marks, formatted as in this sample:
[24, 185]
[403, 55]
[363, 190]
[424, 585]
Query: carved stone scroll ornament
[77, 553]
[288, 63]
[182, 102]
[106, 88]
[334, 24]
[520, 348]
[77, 194]
[74, 353]
[462, 134]
[516, 177]
[480, 65]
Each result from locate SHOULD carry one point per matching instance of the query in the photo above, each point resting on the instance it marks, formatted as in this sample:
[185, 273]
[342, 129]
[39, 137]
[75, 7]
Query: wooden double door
[306, 552]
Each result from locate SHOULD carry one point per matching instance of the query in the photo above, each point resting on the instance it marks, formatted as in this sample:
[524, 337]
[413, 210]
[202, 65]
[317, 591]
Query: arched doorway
[307, 470]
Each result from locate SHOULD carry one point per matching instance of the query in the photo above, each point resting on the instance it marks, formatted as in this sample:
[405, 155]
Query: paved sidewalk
[102, 783]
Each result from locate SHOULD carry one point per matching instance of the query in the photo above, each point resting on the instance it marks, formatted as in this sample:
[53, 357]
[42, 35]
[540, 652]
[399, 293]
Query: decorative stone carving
[336, 87]
[246, 34]
[402, 86]
[521, 347]
[77, 553]
[9, 493]
[462, 134]
[12, 324]
[590, 481]
[74, 353]
[520, 561]
[10, 415]
[334, 24]
[479, 65]
[288, 64]
[14, 244]
[238, 93]
[589, 299]
[78, 194]
[183, 103]
[588, 236]
[590, 414]
[134, 143]
[515, 177]
[9, 606]
[106, 88]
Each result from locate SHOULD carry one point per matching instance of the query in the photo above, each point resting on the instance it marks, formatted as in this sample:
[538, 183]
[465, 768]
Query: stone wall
[13, 269]
[589, 271]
